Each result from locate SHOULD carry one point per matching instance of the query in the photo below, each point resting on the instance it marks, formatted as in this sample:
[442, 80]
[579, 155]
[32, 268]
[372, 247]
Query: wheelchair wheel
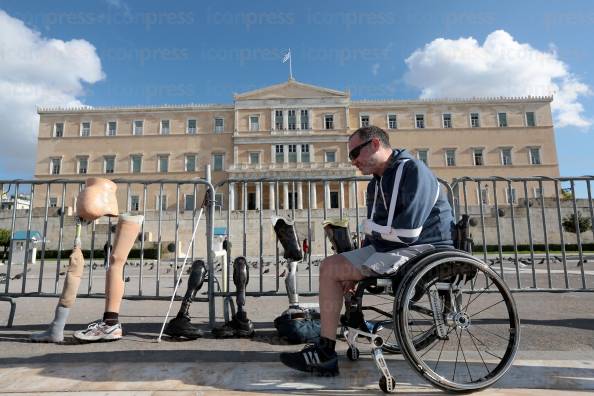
[472, 315]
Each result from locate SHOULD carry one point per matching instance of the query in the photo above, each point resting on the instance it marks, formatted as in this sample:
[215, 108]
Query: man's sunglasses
[354, 153]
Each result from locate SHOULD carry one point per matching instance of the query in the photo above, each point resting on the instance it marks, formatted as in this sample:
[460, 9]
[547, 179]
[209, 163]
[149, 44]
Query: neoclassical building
[292, 130]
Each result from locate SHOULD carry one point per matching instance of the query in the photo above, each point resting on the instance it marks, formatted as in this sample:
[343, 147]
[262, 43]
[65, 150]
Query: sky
[128, 52]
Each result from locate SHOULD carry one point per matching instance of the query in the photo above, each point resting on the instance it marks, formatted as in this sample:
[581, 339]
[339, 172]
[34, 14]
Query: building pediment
[291, 90]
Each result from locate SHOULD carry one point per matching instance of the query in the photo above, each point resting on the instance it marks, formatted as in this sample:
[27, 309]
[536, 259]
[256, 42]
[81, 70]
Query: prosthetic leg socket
[287, 235]
[337, 232]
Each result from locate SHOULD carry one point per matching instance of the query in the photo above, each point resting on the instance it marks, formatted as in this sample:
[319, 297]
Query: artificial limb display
[337, 232]
[97, 199]
[239, 325]
[55, 331]
[180, 326]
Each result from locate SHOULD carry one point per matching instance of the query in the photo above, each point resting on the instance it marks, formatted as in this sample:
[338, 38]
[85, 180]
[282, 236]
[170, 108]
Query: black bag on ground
[298, 326]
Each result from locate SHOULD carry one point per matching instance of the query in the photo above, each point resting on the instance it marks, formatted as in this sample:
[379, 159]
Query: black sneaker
[180, 327]
[312, 359]
[234, 328]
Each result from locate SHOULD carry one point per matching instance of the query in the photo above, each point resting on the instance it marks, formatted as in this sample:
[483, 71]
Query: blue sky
[148, 52]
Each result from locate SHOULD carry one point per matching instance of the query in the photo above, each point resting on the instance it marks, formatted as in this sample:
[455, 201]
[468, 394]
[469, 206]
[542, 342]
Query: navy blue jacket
[416, 206]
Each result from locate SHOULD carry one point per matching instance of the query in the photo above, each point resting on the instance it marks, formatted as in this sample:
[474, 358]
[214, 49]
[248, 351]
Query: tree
[584, 223]
[4, 241]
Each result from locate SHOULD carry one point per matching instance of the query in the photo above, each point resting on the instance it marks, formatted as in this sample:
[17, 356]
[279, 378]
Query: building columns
[313, 204]
[232, 196]
[285, 195]
[258, 193]
[299, 195]
[271, 200]
[327, 195]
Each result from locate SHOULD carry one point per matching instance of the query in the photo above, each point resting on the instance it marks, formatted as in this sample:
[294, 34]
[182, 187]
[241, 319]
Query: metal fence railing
[535, 231]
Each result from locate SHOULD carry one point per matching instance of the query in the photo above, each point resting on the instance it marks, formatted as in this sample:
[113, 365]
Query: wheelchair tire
[471, 307]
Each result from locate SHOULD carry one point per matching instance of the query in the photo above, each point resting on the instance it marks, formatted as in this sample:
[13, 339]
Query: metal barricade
[533, 230]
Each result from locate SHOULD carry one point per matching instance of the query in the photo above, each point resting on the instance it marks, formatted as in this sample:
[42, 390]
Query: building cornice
[131, 109]
[437, 101]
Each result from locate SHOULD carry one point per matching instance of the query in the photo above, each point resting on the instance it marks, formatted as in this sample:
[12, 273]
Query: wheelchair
[450, 315]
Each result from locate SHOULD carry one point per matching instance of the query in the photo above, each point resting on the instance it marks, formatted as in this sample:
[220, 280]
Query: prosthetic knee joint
[180, 326]
[240, 325]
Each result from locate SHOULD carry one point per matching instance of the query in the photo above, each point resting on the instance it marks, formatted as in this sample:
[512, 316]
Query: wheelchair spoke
[478, 350]
[438, 357]
[471, 298]
[486, 347]
[463, 354]
[484, 309]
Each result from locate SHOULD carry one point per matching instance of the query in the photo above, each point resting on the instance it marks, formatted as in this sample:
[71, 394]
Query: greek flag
[287, 56]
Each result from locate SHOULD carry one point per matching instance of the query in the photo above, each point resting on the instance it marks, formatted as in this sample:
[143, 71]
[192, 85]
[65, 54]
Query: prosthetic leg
[239, 325]
[109, 328]
[55, 332]
[337, 232]
[180, 326]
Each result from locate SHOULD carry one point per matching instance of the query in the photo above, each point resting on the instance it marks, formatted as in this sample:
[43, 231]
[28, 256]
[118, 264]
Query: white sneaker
[100, 331]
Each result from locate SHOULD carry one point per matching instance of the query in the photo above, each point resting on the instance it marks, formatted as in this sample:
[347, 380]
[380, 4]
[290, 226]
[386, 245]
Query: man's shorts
[373, 263]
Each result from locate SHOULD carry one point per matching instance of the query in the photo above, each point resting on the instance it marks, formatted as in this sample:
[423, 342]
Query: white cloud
[500, 67]
[36, 71]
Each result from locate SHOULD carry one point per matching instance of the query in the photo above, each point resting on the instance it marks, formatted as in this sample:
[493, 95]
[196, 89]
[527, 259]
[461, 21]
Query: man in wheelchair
[407, 214]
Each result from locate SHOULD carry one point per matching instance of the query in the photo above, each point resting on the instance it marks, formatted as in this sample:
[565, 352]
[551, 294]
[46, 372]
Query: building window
[420, 120]
[189, 202]
[304, 119]
[59, 129]
[192, 127]
[392, 123]
[55, 165]
[83, 163]
[164, 127]
[450, 157]
[255, 158]
[328, 121]
[162, 202]
[477, 155]
[330, 156]
[218, 162]
[136, 163]
[530, 119]
[134, 203]
[333, 199]
[423, 155]
[278, 120]
[305, 153]
[219, 200]
[502, 119]
[85, 128]
[254, 123]
[535, 156]
[475, 121]
[510, 194]
[138, 127]
[447, 120]
[279, 150]
[109, 164]
[364, 121]
[163, 163]
[190, 163]
[292, 153]
[292, 118]
[112, 127]
[219, 124]
[53, 202]
[537, 192]
[506, 156]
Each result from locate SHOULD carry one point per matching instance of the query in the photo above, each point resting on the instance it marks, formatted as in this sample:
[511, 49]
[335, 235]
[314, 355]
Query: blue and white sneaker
[312, 359]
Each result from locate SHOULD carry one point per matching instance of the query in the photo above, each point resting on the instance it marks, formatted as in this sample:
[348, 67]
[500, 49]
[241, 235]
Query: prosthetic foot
[181, 326]
[337, 232]
[239, 325]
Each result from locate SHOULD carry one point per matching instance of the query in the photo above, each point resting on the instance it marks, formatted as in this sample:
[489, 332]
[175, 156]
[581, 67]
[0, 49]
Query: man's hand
[348, 286]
